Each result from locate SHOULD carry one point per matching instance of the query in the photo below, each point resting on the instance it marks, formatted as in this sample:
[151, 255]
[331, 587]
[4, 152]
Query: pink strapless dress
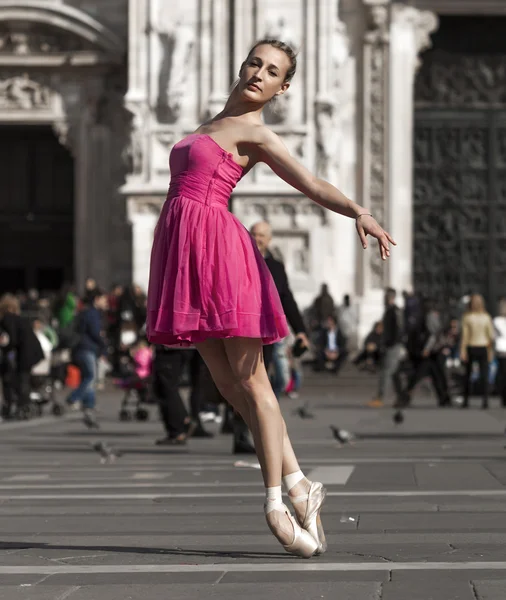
[207, 277]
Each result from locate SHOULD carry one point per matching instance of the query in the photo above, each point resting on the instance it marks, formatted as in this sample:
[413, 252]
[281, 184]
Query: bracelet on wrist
[362, 215]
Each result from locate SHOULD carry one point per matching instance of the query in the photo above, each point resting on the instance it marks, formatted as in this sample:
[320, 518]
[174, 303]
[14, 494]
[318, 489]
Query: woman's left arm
[275, 154]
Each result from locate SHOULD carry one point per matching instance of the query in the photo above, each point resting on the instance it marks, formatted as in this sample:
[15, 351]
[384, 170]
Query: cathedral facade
[93, 95]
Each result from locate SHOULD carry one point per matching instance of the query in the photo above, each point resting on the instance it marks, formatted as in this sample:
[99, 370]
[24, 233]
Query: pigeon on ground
[398, 417]
[342, 436]
[89, 420]
[303, 412]
[108, 454]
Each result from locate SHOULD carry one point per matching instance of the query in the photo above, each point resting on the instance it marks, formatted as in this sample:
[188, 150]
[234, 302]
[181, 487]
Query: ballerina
[210, 287]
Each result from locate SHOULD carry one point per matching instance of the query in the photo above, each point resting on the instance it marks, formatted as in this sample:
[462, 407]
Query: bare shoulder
[262, 136]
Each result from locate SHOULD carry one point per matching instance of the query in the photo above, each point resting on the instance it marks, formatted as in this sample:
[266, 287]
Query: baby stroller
[43, 381]
[136, 397]
[137, 383]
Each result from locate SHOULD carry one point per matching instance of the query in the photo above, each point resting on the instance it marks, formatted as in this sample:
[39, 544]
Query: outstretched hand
[367, 225]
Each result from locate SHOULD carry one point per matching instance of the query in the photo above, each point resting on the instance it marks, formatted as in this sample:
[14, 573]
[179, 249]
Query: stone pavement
[415, 511]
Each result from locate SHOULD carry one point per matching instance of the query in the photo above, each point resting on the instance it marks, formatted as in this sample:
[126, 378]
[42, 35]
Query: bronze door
[460, 161]
[460, 203]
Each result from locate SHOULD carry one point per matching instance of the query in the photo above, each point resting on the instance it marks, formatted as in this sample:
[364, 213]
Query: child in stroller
[137, 379]
[43, 378]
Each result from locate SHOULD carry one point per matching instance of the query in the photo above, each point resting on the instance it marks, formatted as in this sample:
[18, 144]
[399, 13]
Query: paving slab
[454, 476]
[433, 589]
[490, 590]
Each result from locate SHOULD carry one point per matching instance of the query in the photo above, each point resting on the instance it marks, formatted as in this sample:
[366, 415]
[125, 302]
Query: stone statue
[134, 151]
[20, 43]
[22, 92]
[177, 38]
[325, 137]
[379, 29]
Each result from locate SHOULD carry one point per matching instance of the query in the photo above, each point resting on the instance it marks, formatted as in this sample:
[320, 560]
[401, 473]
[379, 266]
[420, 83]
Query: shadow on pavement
[140, 550]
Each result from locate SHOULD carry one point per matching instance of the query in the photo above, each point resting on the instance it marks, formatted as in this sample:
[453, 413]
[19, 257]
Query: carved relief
[454, 80]
[376, 69]
[378, 32]
[326, 139]
[145, 205]
[25, 39]
[21, 93]
[423, 22]
[177, 40]
[134, 152]
[329, 103]
[296, 209]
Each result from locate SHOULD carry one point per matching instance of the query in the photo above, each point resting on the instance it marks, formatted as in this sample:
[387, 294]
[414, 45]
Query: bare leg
[239, 373]
[213, 353]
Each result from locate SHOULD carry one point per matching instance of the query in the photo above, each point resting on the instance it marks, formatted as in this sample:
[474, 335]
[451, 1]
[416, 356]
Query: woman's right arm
[275, 154]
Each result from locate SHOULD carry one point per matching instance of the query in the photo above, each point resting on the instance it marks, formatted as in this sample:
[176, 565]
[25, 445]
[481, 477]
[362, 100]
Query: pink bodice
[203, 171]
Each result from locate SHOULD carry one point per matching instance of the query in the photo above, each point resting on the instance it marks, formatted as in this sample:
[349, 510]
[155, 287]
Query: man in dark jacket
[20, 350]
[262, 234]
[392, 347]
[85, 354]
[331, 348]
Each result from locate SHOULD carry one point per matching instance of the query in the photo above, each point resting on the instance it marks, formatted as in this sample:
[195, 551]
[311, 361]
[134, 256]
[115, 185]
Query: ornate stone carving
[326, 142]
[376, 73]
[459, 177]
[272, 209]
[329, 101]
[21, 93]
[177, 39]
[424, 22]
[25, 39]
[461, 81]
[379, 21]
[134, 152]
[145, 205]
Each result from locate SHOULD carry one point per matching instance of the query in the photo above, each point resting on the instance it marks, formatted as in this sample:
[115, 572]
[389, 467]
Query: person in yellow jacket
[476, 344]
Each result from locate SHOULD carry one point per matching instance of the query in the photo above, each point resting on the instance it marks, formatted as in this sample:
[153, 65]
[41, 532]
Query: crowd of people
[103, 334]
[461, 353]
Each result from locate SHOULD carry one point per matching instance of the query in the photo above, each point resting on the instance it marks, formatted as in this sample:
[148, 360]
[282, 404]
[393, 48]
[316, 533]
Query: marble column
[374, 180]
[138, 48]
[409, 35]
[143, 215]
[219, 67]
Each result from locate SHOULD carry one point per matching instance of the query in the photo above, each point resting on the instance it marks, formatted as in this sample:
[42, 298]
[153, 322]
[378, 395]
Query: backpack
[70, 335]
[416, 338]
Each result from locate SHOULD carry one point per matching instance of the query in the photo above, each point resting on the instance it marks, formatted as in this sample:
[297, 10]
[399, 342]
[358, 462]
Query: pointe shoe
[303, 543]
[312, 522]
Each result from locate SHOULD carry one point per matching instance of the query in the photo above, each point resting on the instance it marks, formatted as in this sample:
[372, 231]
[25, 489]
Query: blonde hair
[9, 304]
[477, 304]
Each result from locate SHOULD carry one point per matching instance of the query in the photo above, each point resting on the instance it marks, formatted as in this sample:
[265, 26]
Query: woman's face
[262, 75]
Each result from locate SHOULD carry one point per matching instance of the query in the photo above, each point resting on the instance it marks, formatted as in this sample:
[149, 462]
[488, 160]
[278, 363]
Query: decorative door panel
[460, 204]
[460, 170]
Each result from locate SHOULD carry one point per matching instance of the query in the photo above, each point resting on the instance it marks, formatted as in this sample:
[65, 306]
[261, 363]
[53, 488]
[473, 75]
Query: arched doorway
[460, 161]
[36, 209]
